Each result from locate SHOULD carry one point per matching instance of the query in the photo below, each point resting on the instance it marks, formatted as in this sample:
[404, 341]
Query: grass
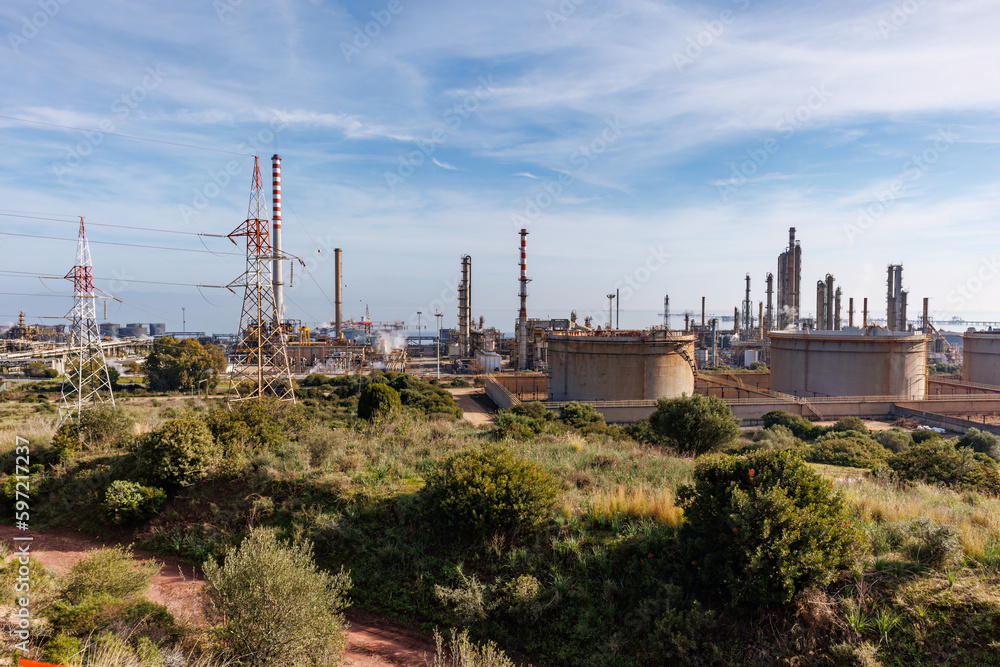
[635, 503]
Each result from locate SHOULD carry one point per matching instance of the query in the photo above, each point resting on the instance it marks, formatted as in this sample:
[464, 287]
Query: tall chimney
[702, 313]
[927, 320]
[850, 312]
[522, 315]
[338, 294]
[770, 302]
[279, 303]
[864, 313]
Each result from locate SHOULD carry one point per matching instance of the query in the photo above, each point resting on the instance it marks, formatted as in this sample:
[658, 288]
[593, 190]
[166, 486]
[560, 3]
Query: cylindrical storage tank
[849, 362]
[620, 365]
[981, 357]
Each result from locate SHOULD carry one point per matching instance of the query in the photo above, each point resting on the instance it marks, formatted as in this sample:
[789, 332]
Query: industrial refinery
[770, 353]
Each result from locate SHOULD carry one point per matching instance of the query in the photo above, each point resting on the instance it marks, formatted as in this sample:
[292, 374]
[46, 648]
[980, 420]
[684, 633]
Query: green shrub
[850, 424]
[462, 652]
[935, 544]
[763, 527]
[274, 606]
[775, 437]
[983, 442]
[799, 426]
[112, 571]
[856, 451]
[580, 415]
[179, 453]
[535, 410]
[490, 489]
[938, 461]
[252, 427]
[924, 435]
[63, 650]
[518, 427]
[459, 383]
[129, 502]
[896, 440]
[694, 424]
[378, 402]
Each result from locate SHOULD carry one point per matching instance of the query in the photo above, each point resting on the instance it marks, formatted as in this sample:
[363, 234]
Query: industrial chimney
[279, 305]
[338, 294]
[522, 315]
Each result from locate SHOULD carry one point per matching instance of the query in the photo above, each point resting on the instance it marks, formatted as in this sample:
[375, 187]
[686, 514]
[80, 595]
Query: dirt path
[371, 641]
[474, 403]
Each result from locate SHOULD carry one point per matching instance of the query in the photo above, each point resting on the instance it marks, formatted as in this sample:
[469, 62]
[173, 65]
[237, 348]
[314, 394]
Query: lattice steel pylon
[87, 378]
[260, 360]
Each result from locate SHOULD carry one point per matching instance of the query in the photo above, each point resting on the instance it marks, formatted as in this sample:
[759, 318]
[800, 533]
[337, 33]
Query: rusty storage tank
[619, 365]
[981, 357]
[851, 362]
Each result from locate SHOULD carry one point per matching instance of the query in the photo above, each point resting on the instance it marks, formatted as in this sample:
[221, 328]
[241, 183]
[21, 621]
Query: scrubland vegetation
[548, 537]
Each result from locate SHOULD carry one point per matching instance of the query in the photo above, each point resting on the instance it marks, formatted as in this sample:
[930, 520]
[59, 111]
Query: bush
[274, 606]
[924, 435]
[518, 427]
[763, 527]
[856, 452]
[252, 427]
[896, 440]
[179, 453]
[799, 426]
[536, 410]
[488, 490]
[462, 652]
[934, 544]
[112, 571]
[850, 424]
[580, 415]
[64, 650]
[775, 437]
[378, 402]
[983, 442]
[938, 461]
[128, 502]
[694, 424]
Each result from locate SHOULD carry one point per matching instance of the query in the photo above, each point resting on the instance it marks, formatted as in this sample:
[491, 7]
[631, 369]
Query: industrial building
[619, 365]
[981, 357]
[869, 361]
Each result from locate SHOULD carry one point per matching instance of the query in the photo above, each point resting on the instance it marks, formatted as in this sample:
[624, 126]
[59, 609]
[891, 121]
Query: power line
[118, 243]
[124, 136]
[29, 274]
[105, 224]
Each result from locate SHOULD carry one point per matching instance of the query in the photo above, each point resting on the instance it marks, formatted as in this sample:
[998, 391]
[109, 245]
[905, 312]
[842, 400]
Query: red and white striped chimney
[276, 281]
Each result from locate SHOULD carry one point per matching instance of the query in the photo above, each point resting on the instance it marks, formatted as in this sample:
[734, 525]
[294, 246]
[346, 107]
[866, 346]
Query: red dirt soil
[371, 641]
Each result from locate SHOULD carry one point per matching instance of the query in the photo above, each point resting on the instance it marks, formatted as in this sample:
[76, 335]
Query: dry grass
[636, 503]
[977, 517]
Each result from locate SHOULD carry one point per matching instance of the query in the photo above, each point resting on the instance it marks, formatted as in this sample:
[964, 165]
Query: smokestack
[850, 312]
[770, 301]
[760, 319]
[837, 300]
[338, 294]
[465, 307]
[864, 313]
[279, 303]
[522, 316]
[927, 320]
[702, 313]
[828, 302]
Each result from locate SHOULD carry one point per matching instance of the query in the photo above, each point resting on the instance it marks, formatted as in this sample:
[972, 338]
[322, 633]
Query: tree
[378, 402]
[695, 424]
[983, 442]
[38, 369]
[764, 527]
[274, 606]
[174, 365]
[179, 453]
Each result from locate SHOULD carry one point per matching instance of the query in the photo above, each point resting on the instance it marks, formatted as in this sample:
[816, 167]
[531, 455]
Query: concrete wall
[981, 358]
[956, 424]
[593, 368]
[817, 364]
[525, 387]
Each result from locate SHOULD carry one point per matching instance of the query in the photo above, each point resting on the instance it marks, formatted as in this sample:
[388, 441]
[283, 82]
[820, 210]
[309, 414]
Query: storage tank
[618, 365]
[851, 362]
[981, 357]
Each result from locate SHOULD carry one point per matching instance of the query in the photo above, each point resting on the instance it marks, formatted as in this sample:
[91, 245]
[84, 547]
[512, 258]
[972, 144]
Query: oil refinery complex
[766, 355]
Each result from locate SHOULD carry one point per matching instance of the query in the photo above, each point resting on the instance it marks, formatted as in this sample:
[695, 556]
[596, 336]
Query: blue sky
[663, 148]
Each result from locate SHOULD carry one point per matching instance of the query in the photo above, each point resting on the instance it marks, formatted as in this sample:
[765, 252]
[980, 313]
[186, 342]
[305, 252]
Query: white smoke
[388, 341]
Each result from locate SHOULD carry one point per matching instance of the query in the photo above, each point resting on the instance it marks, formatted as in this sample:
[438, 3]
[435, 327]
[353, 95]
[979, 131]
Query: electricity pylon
[260, 360]
[87, 378]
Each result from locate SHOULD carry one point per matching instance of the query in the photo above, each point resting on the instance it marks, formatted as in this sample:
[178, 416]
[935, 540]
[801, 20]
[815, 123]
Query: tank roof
[848, 333]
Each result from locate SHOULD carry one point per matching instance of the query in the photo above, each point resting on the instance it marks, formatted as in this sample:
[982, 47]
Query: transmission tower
[260, 360]
[87, 379]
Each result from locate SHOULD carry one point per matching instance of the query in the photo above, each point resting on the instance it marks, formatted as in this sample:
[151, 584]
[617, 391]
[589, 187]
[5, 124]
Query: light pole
[184, 320]
[438, 338]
